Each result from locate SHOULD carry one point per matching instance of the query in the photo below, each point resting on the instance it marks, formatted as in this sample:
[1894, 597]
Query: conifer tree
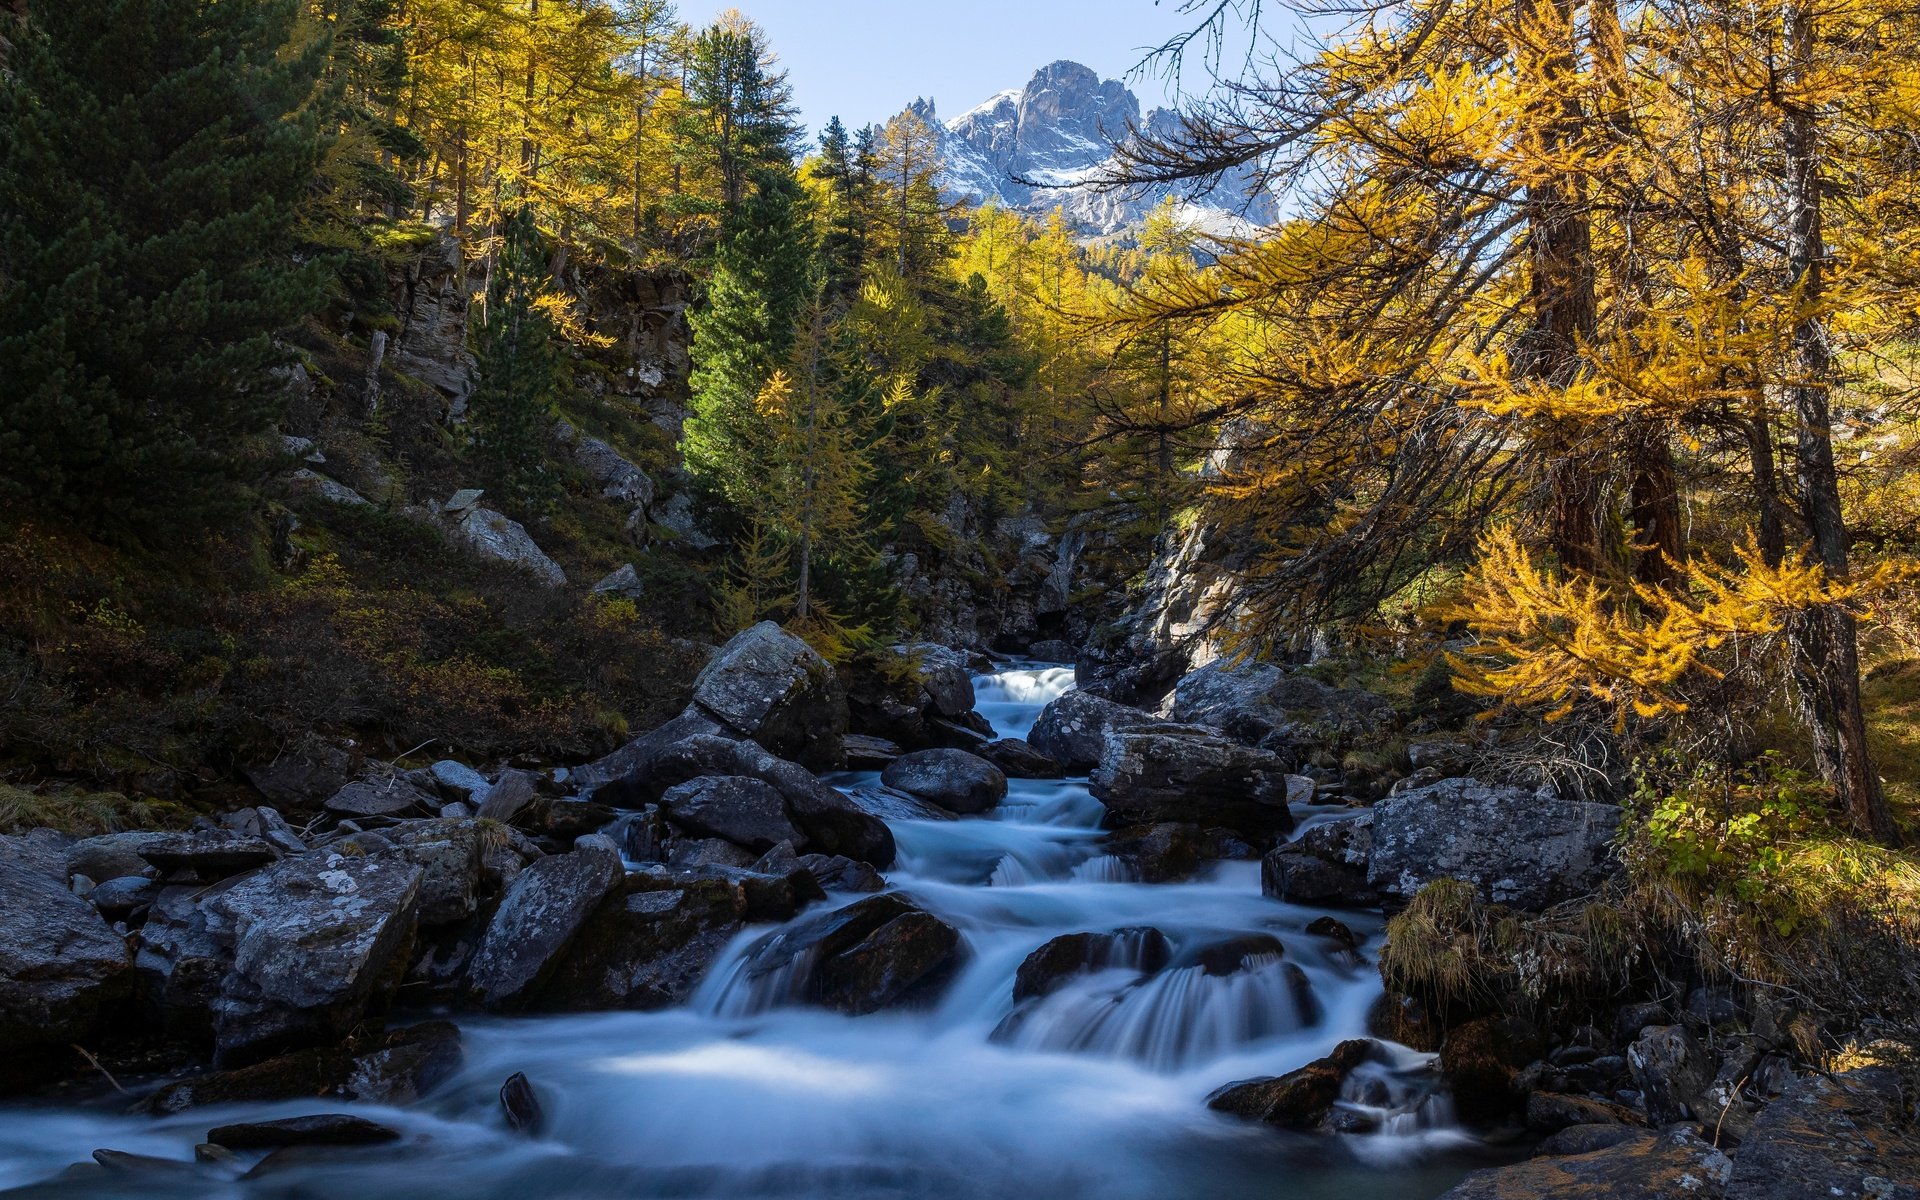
[519, 369]
[738, 119]
[153, 158]
[753, 302]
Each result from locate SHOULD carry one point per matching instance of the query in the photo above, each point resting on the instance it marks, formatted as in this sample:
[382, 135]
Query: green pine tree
[759, 288]
[520, 370]
[153, 154]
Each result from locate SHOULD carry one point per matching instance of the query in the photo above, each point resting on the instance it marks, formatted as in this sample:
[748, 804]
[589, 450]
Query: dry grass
[82, 814]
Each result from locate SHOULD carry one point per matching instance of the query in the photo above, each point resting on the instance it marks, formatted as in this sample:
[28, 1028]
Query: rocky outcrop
[647, 948]
[1670, 1166]
[494, 536]
[953, 779]
[1073, 729]
[63, 971]
[772, 687]
[318, 944]
[1528, 850]
[1182, 773]
[539, 918]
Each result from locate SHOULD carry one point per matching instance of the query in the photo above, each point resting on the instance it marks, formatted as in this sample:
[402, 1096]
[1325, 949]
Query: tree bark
[1825, 639]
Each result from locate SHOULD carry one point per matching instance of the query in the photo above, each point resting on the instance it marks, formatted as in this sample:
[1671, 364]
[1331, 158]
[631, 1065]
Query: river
[1097, 1091]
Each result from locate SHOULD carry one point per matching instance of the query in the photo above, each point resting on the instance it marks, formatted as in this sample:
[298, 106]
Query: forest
[1545, 456]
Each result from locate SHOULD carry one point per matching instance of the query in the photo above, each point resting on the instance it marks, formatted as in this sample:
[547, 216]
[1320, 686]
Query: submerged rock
[1299, 1099]
[325, 1129]
[646, 949]
[1046, 970]
[873, 954]
[397, 1068]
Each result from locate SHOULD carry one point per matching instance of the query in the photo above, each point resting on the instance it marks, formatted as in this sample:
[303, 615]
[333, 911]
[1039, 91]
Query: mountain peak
[1039, 147]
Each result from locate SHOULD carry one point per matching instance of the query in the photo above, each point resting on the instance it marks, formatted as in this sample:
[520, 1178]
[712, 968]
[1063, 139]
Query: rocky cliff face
[1040, 147]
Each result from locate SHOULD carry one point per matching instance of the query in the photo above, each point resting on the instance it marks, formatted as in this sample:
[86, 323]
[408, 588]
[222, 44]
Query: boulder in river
[1178, 773]
[547, 907]
[648, 948]
[62, 969]
[1300, 1099]
[1524, 849]
[1073, 729]
[318, 943]
[1019, 760]
[1046, 970]
[739, 808]
[772, 687]
[872, 954]
[322, 1129]
[398, 1067]
[1674, 1165]
[1326, 865]
[953, 779]
[832, 823]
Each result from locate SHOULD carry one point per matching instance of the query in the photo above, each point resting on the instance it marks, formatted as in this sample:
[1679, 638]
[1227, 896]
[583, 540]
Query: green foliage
[153, 156]
[520, 371]
[1731, 829]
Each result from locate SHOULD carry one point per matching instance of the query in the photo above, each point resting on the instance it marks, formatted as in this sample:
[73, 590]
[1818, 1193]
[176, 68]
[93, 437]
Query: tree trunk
[1825, 640]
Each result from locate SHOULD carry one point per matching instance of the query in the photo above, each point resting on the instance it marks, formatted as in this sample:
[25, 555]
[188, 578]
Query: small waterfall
[1090, 1086]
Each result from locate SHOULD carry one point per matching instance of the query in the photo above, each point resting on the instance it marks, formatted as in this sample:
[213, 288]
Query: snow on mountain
[1039, 147]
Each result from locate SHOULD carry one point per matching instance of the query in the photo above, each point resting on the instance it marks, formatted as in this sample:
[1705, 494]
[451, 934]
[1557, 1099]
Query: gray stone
[832, 823]
[943, 674]
[741, 809]
[1250, 701]
[449, 854]
[308, 482]
[1177, 773]
[460, 780]
[45, 851]
[120, 898]
[772, 687]
[208, 855]
[876, 953]
[1676, 1165]
[953, 779]
[314, 942]
[508, 797]
[1073, 729]
[494, 536]
[1528, 850]
[867, 753]
[622, 584]
[1020, 760]
[1672, 1073]
[647, 949]
[619, 479]
[542, 913]
[1844, 1137]
[464, 500]
[62, 969]
[383, 798]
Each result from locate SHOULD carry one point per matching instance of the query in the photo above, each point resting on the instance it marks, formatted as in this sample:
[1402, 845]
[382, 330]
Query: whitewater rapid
[1097, 1090]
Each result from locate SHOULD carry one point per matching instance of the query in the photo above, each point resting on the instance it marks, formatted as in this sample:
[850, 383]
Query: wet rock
[905, 697]
[384, 798]
[396, 1068]
[1053, 650]
[1046, 970]
[868, 753]
[769, 896]
[1300, 1099]
[647, 949]
[121, 1163]
[1527, 850]
[832, 823]
[1019, 760]
[838, 873]
[943, 673]
[1550, 1112]
[494, 536]
[772, 687]
[1846, 1136]
[318, 942]
[739, 808]
[953, 779]
[1175, 773]
[873, 954]
[1671, 1166]
[1403, 1019]
[1334, 930]
[325, 1129]
[1671, 1071]
[1073, 729]
[1480, 1062]
[1230, 956]
[1162, 853]
[537, 921]
[1294, 874]
[63, 971]
[521, 1104]
[693, 854]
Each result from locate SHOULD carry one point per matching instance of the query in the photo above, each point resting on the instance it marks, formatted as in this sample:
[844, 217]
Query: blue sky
[865, 59]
